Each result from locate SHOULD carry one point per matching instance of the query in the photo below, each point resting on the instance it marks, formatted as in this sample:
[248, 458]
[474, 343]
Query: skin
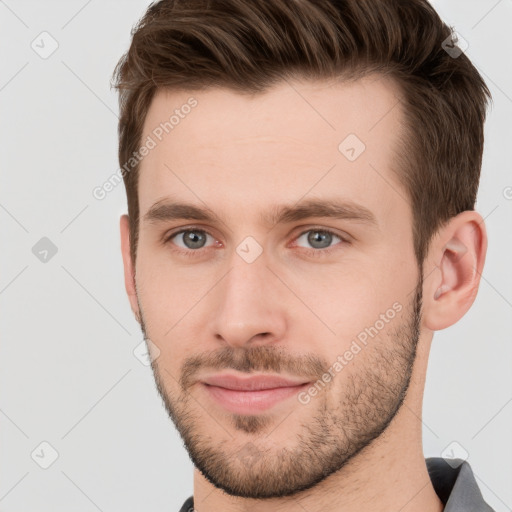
[357, 444]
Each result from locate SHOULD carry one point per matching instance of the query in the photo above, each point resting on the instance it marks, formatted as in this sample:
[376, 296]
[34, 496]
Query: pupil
[193, 240]
[322, 237]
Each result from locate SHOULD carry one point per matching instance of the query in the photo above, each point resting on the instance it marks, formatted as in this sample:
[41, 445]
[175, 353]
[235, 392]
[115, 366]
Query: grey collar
[455, 484]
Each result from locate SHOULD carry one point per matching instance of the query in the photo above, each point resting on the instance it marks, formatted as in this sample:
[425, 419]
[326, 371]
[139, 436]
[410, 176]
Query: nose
[250, 305]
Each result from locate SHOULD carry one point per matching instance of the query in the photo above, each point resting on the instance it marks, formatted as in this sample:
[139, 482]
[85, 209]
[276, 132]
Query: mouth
[251, 394]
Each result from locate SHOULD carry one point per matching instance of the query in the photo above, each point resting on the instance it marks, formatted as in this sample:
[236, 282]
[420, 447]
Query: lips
[251, 395]
[252, 383]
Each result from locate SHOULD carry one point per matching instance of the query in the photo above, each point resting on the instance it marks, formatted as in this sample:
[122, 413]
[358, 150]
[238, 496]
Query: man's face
[305, 298]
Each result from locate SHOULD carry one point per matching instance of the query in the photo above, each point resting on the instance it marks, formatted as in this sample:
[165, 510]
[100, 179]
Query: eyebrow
[166, 210]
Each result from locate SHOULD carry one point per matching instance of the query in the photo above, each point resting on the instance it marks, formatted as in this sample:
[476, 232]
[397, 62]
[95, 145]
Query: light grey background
[69, 376]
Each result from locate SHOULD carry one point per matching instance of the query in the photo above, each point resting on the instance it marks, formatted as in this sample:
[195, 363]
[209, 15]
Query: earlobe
[458, 254]
[129, 270]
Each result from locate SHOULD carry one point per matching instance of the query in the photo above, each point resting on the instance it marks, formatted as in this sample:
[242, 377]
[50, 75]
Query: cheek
[168, 293]
[353, 294]
[166, 310]
[175, 305]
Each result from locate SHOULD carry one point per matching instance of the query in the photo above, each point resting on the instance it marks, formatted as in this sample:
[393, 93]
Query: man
[301, 178]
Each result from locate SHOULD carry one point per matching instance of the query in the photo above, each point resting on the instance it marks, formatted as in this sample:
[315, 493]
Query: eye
[188, 239]
[319, 239]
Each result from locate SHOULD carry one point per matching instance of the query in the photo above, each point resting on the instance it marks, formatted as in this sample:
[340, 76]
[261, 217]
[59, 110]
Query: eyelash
[191, 253]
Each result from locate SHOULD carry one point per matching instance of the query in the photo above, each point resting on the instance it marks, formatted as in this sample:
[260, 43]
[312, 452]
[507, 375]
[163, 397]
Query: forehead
[300, 137]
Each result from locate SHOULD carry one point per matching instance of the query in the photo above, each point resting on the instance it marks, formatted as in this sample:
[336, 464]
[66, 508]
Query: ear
[129, 270]
[457, 257]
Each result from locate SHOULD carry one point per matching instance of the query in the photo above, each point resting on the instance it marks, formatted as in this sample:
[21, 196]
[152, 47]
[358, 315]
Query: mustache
[266, 358]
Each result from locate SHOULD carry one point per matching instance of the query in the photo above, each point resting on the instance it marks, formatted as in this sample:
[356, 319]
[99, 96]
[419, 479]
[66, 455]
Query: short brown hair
[248, 46]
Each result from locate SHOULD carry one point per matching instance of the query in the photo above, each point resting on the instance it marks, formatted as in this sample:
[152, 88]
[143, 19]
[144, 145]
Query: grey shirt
[453, 482]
